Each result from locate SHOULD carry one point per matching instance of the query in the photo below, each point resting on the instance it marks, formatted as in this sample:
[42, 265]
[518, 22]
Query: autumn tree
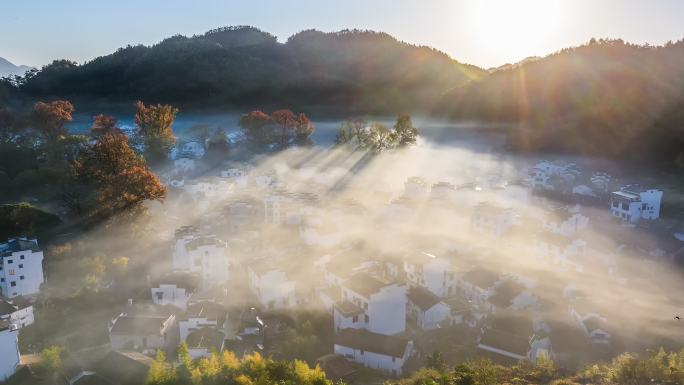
[406, 134]
[303, 129]
[154, 128]
[104, 124]
[120, 177]
[254, 125]
[287, 121]
[50, 118]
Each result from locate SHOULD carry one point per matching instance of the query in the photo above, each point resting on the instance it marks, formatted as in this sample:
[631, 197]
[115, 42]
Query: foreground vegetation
[627, 369]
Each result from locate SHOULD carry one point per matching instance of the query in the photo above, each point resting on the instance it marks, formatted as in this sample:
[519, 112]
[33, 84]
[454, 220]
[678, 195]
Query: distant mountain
[607, 98]
[7, 68]
[247, 68]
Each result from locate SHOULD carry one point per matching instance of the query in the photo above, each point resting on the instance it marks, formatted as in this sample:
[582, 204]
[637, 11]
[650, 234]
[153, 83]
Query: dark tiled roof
[347, 308]
[18, 244]
[138, 325]
[204, 241]
[422, 297]
[205, 338]
[506, 293]
[336, 367]
[512, 343]
[372, 342]
[208, 310]
[124, 368]
[364, 284]
[481, 277]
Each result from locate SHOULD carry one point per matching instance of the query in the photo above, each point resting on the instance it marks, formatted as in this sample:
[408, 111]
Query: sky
[486, 33]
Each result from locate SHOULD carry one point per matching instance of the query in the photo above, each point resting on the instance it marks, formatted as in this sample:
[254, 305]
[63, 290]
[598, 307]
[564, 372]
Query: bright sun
[515, 28]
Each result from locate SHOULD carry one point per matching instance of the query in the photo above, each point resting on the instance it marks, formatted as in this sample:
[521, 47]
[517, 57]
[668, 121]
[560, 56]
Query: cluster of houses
[388, 309]
[21, 277]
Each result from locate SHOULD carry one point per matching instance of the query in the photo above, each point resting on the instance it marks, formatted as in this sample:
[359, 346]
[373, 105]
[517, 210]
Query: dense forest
[243, 66]
[606, 97]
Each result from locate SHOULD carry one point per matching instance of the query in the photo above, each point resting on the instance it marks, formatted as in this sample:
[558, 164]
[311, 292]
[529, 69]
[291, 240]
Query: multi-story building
[21, 267]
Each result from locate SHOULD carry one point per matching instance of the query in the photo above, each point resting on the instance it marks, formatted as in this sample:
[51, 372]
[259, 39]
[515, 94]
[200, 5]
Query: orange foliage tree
[50, 118]
[154, 127]
[121, 178]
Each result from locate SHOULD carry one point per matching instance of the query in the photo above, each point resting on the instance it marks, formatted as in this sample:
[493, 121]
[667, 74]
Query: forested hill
[606, 97]
[246, 67]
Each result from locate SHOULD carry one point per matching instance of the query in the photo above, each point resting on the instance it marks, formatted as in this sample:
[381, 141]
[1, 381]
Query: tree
[351, 131]
[11, 126]
[51, 362]
[160, 371]
[436, 361]
[287, 121]
[406, 133]
[254, 126]
[155, 128]
[50, 118]
[303, 129]
[104, 124]
[378, 138]
[217, 146]
[120, 176]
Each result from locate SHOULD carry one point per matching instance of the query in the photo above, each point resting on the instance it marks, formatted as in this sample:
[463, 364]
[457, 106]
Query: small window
[21, 265]
[13, 283]
[394, 359]
[367, 318]
[355, 319]
[2, 279]
[10, 261]
[21, 277]
[21, 257]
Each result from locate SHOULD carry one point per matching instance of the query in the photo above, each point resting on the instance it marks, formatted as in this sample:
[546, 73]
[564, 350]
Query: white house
[443, 191]
[170, 294]
[542, 175]
[9, 350]
[373, 350]
[416, 188]
[430, 271]
[212, 256]
[184, 165]
[593, 325]
[17, 311]
[201, 315]
[237, 175]
[478, 284]
[425, 309]
[632, 204]
[559, 249]
[566, 222]
[146, 333]
[202, 342]
[205, 255]
[490, 219]
[373, 304]
[21, 267]
[271, 285]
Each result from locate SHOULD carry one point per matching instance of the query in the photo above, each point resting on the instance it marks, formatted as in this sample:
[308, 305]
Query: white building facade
[21, 268]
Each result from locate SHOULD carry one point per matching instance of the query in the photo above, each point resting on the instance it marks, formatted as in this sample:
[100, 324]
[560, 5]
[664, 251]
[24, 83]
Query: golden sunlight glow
[517, 28]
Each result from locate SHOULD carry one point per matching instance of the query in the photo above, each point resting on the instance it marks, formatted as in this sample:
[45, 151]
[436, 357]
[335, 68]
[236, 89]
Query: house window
[394, 359]
[160, 295]
[21, 257]
[9, 261]
[366, 317]
[2, 279]
[21, 277]
[13, 283]
[355, 319]
[21, 265]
